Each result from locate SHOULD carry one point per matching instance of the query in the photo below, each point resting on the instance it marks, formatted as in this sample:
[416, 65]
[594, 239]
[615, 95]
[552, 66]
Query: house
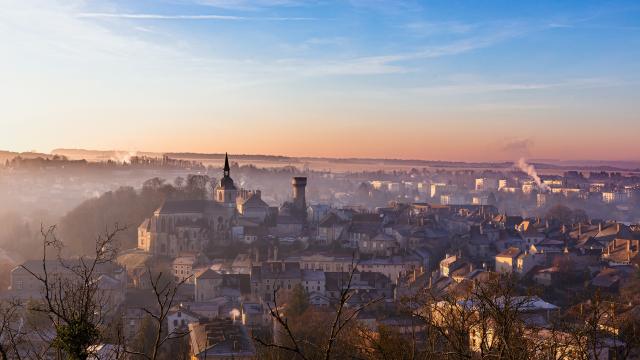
[220, 339]
[449, 264]
[607, 280]
[272, 276]
[24, 285]
[365, 286]
[330, 228]
[480, 244]
[183, 266]
[179, 318]
[313, 281]
[319, 299]
[506, 261]
[530, 232]
[208, 284]
[547, 276]
[255, 316]
[363, 227]
[622, 252]
[381, 244]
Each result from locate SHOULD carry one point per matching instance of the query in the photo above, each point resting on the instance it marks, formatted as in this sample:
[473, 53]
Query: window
[175, 322]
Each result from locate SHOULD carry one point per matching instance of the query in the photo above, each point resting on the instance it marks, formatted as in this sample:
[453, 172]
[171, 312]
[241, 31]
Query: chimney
[579, 229]
[599, 226]
[275, 253]
[617, 227]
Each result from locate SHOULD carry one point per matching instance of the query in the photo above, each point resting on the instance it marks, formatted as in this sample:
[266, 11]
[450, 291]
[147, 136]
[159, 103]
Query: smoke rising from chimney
[531, 171]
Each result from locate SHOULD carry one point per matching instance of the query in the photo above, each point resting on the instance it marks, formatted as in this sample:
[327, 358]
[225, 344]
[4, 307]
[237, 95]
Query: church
[193, 226]
[181, 226]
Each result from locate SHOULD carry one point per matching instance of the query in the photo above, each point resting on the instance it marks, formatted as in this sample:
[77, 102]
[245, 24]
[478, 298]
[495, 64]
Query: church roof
[226, 183]
[187, 206]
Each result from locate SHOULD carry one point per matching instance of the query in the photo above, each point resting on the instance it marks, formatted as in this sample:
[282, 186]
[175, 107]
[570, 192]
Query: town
[319, 180]
[396, 256]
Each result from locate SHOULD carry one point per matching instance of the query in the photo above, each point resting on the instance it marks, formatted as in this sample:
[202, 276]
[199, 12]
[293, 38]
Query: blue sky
[460, 80]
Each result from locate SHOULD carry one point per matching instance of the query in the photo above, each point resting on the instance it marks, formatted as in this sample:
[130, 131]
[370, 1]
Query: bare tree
[70, 293]
[165, 291]
[10, 329]
[343, 317]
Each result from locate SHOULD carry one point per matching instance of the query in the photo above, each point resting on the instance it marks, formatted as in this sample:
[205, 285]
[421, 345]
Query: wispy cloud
[249, 4]
[426, 28]
[396, 62]
[186, 17]
[479, 86]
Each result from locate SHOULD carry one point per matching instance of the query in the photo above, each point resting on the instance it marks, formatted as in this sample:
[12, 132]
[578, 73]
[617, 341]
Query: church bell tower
[226, 191]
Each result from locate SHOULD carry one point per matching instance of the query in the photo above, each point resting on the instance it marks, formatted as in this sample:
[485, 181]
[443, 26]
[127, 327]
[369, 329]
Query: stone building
[184, 226]
[180, 226]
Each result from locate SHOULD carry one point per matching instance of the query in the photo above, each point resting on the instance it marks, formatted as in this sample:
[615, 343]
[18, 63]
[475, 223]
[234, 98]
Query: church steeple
[226, 191]
[227, 169]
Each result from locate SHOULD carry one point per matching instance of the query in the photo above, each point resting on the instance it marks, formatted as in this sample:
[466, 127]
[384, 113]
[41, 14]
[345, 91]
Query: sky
[438, 80]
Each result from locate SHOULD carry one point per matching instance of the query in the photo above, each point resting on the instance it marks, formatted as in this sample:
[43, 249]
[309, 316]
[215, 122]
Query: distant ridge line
[585, 165]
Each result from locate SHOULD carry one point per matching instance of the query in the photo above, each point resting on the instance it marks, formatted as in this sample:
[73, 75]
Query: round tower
[299, 185]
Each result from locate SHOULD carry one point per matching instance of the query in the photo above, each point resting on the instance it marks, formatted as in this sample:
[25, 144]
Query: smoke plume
[531, 171]
[123, 157]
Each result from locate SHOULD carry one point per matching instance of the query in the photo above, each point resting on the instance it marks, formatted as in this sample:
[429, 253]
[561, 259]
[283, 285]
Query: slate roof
[331, 219]
[255, 201]
[188, 206]
[209, 274]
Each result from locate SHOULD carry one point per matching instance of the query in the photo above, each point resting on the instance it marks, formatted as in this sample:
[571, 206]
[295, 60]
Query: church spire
[227, 169]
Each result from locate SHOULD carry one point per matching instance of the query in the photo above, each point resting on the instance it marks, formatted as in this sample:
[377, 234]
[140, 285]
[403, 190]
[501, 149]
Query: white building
[613, 197]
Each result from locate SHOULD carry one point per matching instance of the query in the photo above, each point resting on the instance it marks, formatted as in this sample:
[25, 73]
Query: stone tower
[299, 185]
